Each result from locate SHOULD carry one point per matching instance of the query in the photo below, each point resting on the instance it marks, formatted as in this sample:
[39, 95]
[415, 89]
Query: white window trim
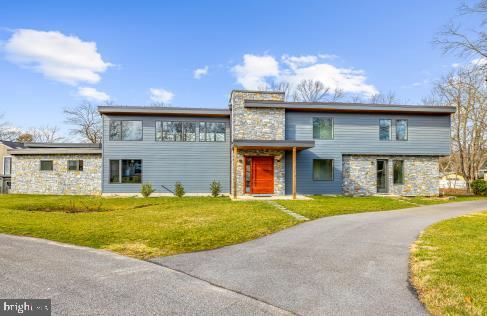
[3, 171]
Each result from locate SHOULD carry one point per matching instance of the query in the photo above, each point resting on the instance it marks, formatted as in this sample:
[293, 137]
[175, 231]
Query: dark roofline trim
[170, 111]
[382, 154]
[55, 151]
[273, 144]
[61, 145]
[352, 107]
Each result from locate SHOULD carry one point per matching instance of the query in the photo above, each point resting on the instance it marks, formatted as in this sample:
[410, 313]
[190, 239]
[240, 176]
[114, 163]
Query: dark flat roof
[12, 144]
[57, 149]
[61, 145]
[159, 110]
[352, 107]
[273, 144]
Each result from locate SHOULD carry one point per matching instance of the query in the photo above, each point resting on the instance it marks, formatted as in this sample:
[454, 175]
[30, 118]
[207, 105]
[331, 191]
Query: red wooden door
[262, 175]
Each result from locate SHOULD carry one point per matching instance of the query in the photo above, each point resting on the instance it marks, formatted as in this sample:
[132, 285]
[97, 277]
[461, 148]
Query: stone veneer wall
[258, 124]
[421, 175]
[27, 178]
[279, 169]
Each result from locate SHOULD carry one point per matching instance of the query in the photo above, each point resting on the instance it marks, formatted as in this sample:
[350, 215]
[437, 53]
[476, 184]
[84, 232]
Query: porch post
[235, 171]
[294, 173]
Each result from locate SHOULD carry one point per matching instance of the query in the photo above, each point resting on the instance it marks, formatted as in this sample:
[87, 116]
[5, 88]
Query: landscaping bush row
[479, 187]
[147, 189]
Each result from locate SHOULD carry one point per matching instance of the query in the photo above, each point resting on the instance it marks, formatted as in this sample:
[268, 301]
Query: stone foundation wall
[279, 169]
[27, 178]
[421, 175]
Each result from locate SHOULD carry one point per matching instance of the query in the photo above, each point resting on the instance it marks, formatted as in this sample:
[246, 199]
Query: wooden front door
[262, 175]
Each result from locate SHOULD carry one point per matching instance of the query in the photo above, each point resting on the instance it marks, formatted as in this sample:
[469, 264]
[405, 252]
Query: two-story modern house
[262, 145]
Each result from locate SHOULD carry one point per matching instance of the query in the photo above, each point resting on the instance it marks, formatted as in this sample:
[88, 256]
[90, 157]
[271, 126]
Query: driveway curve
[344, 265]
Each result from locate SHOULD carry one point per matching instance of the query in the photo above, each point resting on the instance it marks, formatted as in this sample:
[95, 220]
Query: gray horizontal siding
[359, 133]
[194, 164]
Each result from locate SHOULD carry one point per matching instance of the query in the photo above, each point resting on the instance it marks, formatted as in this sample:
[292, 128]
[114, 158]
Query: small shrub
[147, 189]
[179, 190]
[215, 188]
[479, 187]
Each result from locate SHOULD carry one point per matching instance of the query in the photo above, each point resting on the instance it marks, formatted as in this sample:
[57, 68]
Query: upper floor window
[323, 169]
[401, 129]
[385, 129]
[7, 165]
[322, 128]
[175, 131]
[47, 165]
[75, 165]
[125, 130]
[212, 132]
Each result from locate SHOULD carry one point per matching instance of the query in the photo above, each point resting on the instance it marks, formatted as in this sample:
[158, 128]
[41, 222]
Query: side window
[323, 169]
[75, 165]
[398, 169]
[385, 129]
[212, 132]
[126, 171]
[322, 128]
[47, 165]
[401, 129]
[7, 165]
[115, 130]
[125, 130]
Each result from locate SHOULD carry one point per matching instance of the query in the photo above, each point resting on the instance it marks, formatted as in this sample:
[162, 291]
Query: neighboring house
[6, 164]
[483, 171]
[263, 145]
[40, 168]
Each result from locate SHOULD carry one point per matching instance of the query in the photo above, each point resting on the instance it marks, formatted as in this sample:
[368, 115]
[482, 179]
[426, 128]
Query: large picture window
[401, 129]
[212, 132]
[385, 129]
[322, 128]
[125, 130]
[175, 131]
[126, 171]
[7, 165]
[398, 170]
[323, 169]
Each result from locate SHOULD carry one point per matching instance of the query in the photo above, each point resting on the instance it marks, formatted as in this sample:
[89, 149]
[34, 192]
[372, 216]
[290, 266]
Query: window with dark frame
[402, 129]
[7, 165]
[172, 131]
[125, 130]
[75, 165]
[323, 169]
[212, 131]
[126, 171]
[398, 171]
[385, 129]
[46, 165]
[323, 128]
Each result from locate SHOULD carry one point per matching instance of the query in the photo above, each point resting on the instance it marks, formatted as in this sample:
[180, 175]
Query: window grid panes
[401, 129]
[126, 130]
[323, 169]
[398, 171]
[212, 131]
[323, 128]
[385, 129]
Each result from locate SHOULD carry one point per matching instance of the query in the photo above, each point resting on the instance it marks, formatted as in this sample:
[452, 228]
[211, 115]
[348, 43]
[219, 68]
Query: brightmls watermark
[27, 307]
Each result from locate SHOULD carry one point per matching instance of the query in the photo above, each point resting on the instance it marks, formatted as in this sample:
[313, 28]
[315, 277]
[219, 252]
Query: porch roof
[273, 144]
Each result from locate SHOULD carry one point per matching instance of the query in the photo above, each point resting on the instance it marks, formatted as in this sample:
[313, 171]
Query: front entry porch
[258, 167]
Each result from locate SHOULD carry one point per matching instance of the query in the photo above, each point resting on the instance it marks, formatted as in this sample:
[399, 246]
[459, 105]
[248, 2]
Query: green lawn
[323, 206]
[137, 227]
[449, 266]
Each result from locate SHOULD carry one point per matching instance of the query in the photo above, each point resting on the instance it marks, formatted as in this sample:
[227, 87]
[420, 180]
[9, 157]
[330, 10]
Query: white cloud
[479, 61]
[93, 94]
[200, 72]
[161, 95]
[60, 57]
[456, 65]
[254, 71]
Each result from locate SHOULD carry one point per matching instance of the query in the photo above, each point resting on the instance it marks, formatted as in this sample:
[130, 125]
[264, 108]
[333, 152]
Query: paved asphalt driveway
[352, 264]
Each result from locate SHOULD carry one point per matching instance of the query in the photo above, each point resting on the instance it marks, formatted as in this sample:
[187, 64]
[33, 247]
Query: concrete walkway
[352, 264]
[344, 265]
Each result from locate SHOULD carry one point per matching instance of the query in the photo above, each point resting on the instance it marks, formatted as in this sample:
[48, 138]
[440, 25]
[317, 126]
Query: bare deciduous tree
[383, 98]
[86, 121]
[45, 134]
[466, 90]
[454, 38]
[8, 132]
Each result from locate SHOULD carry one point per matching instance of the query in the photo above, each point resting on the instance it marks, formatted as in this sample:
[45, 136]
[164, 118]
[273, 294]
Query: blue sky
[365, 46]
